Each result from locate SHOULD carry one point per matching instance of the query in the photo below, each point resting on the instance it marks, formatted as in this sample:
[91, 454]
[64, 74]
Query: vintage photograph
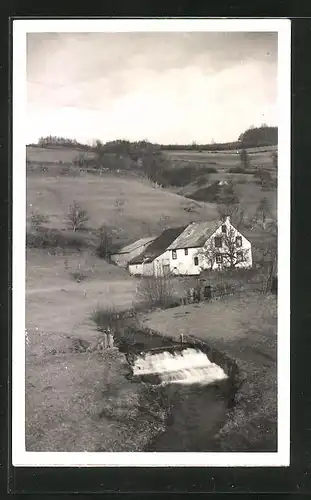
[152, 210]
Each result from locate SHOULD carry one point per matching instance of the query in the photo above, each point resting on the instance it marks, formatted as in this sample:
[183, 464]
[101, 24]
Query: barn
[127, 253]
[155, 259]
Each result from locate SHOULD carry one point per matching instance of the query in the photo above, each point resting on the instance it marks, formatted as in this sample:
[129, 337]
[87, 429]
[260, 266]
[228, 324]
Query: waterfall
[190, 366]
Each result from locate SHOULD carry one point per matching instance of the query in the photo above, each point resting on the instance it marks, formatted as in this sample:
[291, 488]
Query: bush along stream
[188, 386]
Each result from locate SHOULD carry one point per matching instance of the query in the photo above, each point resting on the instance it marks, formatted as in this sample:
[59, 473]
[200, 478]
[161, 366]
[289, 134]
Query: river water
[193, 388]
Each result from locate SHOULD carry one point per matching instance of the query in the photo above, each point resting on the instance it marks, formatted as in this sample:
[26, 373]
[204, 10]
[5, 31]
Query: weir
[173, 365]
[194, 383]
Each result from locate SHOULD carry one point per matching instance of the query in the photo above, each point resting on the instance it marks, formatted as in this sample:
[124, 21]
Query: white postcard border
[20, 457]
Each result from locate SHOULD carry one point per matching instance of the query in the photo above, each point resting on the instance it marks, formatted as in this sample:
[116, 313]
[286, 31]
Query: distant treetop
[259, 136]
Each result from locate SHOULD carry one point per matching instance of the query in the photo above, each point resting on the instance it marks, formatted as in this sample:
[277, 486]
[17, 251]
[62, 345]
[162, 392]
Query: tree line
[252, 137]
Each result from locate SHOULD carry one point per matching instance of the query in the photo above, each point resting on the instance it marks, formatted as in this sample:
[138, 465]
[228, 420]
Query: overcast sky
[164, 87]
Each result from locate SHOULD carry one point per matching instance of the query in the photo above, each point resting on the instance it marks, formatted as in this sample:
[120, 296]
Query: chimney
[228, 219]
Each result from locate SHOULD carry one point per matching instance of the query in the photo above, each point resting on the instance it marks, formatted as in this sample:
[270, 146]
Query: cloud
[168, 87]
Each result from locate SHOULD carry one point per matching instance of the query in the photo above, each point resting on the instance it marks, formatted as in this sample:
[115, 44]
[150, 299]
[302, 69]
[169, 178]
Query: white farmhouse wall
[154, 268]
[136, 269]
[160, 262]
[184, 264]
[145, 269]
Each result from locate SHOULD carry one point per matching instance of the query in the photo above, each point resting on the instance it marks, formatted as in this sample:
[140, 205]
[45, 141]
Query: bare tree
[244, 158]
[156, 291]
[264, 177]
[263, 211]
[164, 222]
[208, 254]
[77, 216]
[236, 212]
[230, 252]
[104, 246]
[119, 204]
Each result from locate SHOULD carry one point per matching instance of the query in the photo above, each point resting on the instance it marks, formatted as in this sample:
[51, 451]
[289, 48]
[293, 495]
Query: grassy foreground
[78, 401]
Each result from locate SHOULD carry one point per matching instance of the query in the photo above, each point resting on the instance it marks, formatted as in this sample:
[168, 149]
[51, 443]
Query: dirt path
[78, 287]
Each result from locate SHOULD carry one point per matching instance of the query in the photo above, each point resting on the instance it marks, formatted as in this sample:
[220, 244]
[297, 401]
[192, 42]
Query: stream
[195, 384]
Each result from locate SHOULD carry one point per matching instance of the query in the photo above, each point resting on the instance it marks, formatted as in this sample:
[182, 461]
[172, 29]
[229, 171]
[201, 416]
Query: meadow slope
[129, 204]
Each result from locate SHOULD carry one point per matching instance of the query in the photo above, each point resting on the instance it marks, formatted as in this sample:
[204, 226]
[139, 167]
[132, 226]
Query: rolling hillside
[133, 205]
[121, 202]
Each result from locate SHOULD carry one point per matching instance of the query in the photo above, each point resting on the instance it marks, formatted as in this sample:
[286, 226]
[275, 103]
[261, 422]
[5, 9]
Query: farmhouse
[127, 253]
[209, 245]
[155, 259]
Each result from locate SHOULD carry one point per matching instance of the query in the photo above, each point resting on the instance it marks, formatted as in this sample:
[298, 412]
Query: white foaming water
[189, 366]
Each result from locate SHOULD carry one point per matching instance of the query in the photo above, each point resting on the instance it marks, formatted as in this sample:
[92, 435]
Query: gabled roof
[136, 244]
[195, 235]
[158, 246]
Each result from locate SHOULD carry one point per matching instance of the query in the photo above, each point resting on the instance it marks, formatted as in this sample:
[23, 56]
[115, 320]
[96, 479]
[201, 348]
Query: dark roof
[158, 246]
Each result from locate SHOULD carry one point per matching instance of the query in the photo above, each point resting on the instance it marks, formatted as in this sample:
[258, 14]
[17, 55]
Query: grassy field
[56, 154]
[224, 159]
[77, 401]
[143, 206]
[243, 327]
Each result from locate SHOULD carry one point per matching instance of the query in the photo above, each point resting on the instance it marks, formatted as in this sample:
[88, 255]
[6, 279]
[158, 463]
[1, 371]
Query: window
[218, 242]
[238, 241]
[218, 258]
[186, 251]
[224, 228]
[196, 261]
[174, 254]
[239, 256]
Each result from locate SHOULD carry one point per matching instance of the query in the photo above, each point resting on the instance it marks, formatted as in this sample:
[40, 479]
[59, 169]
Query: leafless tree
[77, 216]
[105, 243]
[119, 204]
[244, 158]
[263, 211]
[164, 222]
[157, 291]
[230, 253]
[236, 212]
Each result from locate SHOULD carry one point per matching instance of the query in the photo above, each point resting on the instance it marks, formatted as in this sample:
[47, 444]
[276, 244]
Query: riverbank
[244, 328]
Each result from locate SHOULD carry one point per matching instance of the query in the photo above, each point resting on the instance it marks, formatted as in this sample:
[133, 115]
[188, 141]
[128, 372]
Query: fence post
[105, 340]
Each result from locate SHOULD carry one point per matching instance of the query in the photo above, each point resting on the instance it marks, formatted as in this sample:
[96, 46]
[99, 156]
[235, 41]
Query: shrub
[68, 170]
[200, 181]
[209, 194]
[77, 216]
[156, 292]
[65, 170]
[84, 160]
[239, 170]
[104, 248]
[264, 178]
[79, 274]
[37, 220]
[244, 158]
[110, 317]
[54, 238]
[179, 176]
